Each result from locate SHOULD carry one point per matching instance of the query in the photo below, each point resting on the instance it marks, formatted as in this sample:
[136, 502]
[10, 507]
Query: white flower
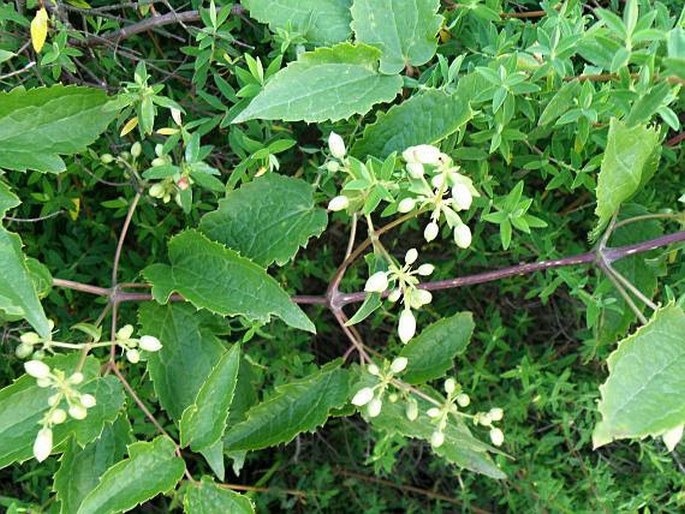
[462, 236]
[412, 411]
[336, 145]
[672, 437]
[406, 205]
[426, 269]
[363, 396]
[377, 283]
[399, 365]
[407, 326]
[450, 385]
[437, 439]
[411, 256]
[462, 197]
[58, 416]
[463, 400]
[339, 203]
[431, 231]
[125, 332]
[150, 343]
[42, 446]
[374, 407]
[37, 369]
[496, 414]
[88, 400]
[415, 169]
[425, 154]
[133, 356]
[78, 412]
[496, 436]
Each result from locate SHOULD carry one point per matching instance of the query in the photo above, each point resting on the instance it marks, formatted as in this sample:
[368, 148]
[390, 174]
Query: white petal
[42, 446]
[339, 203]
[462, 197]
[37, 369]
[672, 437]
[377, 283]
[336, 145]
[407, 326]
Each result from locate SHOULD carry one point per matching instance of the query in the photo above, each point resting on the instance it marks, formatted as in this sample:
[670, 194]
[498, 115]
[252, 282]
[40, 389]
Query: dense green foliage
[270, 256]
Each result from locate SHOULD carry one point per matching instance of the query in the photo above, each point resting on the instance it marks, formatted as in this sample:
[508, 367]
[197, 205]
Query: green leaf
[190, 350]
[267, 220]
[432, 352]
[644, 392]
[295, 407]
[460, 447]
[206, 497]
[426, 117]
[204, 422]
[630, 159]
[326, 84]
[23, 404]
[218, 279]
[151, 468]
[406, 34]
[648, 104]
[81, 468]
[39, 125]
[322, 22]
[8, 200]
[561, 102]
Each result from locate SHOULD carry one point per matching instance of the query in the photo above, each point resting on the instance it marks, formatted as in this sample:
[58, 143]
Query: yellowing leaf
[130, 125]
[73, 212]
[39, 29]
[167, 131]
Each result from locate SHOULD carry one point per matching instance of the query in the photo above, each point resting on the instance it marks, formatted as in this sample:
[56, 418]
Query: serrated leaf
[326, 84]
[151, 468]
[460, 447]
[644, 392]
[204, 422]
[322, 22]
[207, 497]
[630, 159]
[218, 279]
[407, 34]
[267, 220]
[295, 407]
[432, 352]
[425, 118]
[8, 200]
[39, 125]
[23, 404]
[80, 468]
[190, 350]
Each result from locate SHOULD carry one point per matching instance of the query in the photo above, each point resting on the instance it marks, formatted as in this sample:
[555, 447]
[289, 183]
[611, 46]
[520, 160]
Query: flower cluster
[404, 281]
[132, 345]
[436, 184]
[66, 395]
[372, 397]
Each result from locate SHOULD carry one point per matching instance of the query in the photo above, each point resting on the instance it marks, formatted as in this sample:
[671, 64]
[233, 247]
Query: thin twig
[122, 236]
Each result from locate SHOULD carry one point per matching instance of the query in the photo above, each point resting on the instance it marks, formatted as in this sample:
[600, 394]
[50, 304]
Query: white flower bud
[157, 190]
[406, 205]
[37, 369]
[363, 396]
[176, 116]
[392, 397]
[23, 350]
[76, 378]
[377, 283]
[496, 414]
[463, 400]
[30, 338]
[395, 295]
[54, 399]
[433, 412]
[462, 197]
[411, 256]
[406, 327]
[422, 297]
[58, 416]
[437, 439]
[462, 236]
[333, 166]
[42, 446]
[339, 203]
[412, 411]
[158, 161]
[125, 332]
[415, 169]
[426, 269]
[106, 158]
[431, 231]
[150, 343]
[136, 149]
[374, 407]
[336, 145]
[88, 401]
[485, 419]
[43, 382]
[672, 437]
[133, 356]
[450, 385]
[399, 365]
[425, 154]
[78, 411]
[496, 436]
[373, 369]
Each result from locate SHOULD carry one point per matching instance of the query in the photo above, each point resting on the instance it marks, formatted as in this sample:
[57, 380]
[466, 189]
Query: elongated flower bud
[462, 197]
[339, 203]
[374, 407]
[437, 439]
[431, 231]
[411, 256]
[42, 446]
[37, 369]
[412, 411]
[336, 145]
[363, 396]
[496, 437]
[426, 269]
[407, 326]
[406, 205]
[150, 343]
[399, 364]
[377, 283]
[462, 236]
